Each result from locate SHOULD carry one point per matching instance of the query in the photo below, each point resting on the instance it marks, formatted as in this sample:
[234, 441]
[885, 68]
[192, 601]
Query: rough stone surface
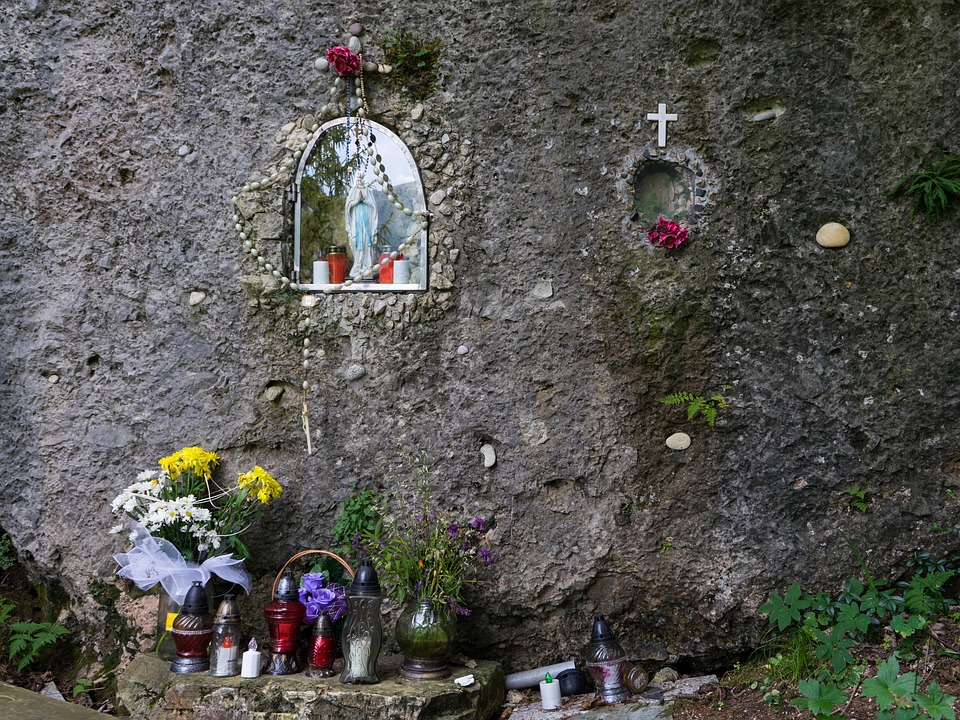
[653, 704]
[842, 366]
[148, 690]
[18, 703]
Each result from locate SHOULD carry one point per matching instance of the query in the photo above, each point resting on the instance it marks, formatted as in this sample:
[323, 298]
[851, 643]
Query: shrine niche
[668, 183]
[359, 211]
[662, 188]
[354, 228]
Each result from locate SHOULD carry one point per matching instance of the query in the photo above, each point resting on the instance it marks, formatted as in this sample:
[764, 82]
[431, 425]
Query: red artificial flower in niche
[343, 60]
[667, 233]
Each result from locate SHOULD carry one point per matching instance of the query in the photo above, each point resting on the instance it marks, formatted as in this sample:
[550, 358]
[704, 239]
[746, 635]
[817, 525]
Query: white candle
[401, 272]
[251, 661]
[549, 693]
[321, 272]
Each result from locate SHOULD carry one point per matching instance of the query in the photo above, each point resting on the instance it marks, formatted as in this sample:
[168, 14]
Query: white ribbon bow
[154, 560]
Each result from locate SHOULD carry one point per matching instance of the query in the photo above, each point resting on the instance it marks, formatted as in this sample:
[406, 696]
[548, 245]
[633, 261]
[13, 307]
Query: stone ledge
[148, 690]
[22, 704]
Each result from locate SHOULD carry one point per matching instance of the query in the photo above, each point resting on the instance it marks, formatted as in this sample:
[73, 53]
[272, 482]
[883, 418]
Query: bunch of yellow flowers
[259, 481]
[183, 504]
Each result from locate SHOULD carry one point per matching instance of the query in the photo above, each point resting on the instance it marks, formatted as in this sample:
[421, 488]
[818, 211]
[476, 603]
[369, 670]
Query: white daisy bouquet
[183, 523]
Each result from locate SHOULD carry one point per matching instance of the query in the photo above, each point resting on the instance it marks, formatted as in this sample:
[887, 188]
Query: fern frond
[677, 398]
[710, 413]
[699, 403]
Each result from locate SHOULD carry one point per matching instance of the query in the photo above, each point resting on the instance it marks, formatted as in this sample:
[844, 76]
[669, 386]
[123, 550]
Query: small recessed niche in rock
[664, 188]
[670, 183]
[359, 212]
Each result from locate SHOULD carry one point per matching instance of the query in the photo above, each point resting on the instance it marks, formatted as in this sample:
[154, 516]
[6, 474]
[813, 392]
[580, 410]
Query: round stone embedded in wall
[833, 235]
[355, 372]
[678, 441]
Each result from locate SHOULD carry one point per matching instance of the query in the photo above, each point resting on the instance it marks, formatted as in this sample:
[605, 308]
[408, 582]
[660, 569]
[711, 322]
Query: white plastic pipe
[532, 678]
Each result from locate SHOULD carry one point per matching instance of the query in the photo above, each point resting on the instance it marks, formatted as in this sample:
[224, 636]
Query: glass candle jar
[337, 259]
[284, 616]
[323, 647]
[225, 647]
[362, 630]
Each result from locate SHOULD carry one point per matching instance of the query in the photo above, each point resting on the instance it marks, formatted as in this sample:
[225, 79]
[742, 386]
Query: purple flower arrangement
[430, 555]
[316, 594]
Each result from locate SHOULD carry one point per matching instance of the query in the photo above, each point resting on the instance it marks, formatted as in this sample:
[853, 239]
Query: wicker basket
[304, 553]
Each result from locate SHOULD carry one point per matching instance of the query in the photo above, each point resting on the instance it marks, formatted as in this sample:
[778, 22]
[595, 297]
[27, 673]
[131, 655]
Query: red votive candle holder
[386, 268]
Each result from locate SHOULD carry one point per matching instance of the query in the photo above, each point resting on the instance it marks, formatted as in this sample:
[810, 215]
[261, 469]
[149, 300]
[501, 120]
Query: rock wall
[125, 132]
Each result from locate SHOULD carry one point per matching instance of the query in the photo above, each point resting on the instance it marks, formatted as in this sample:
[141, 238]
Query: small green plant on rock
[358, 516]
[709, 408]
[936, 188]
[24, 640]
[415, 61]
[857, 499]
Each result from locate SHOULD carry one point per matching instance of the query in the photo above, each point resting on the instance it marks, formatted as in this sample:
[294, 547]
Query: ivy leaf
[889, 688]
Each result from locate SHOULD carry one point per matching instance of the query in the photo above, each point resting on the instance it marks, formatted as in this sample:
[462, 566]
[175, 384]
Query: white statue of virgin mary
[360, 218]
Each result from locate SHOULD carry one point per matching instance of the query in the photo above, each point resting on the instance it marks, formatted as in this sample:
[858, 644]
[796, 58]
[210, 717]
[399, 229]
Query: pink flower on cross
[667, 233]
[344, 61]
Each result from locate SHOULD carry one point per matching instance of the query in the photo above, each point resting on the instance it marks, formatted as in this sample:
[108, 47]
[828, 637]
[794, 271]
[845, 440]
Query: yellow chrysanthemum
[195, 460]
[260, 484]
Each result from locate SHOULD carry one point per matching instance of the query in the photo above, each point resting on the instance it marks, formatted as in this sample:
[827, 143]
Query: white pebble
[489, 455]
[833, 235]
[678, 441]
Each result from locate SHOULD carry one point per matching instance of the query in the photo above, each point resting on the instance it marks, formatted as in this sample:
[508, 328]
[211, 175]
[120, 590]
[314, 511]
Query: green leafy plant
[857, 499]
[415, 61]
[825, 629]
[82, 685]
[25, 640]
[8, 556]
[936, 188]
[423, 552]
[708, 407]
[357, 516]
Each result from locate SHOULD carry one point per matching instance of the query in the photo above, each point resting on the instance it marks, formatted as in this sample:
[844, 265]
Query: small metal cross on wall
[662, 117]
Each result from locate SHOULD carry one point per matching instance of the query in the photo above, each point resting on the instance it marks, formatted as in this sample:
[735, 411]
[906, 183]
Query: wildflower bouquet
[422, 553]
[182, 504]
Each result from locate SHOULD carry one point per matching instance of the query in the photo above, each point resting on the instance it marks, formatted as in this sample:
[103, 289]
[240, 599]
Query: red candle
[386, 268]
[284, 618]
[322, 652]
[337, 257]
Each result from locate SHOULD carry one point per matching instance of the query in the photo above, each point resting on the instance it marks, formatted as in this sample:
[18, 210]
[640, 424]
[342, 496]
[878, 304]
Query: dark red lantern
[323, 648]
[284, 616]
[192, 632]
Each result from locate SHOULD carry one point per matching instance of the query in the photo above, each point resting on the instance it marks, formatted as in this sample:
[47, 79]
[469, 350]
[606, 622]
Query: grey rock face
[842, 363]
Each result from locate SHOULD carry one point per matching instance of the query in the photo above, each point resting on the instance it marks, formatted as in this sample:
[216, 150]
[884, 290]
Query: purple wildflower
[453, 530]
[478, 524]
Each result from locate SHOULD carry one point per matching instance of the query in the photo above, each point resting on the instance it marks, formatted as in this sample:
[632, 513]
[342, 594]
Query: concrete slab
[149, 691]
[653, 704]
[19, 704]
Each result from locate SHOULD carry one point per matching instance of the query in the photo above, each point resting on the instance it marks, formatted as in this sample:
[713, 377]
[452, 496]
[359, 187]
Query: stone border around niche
[263, 217]
[705, 185]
